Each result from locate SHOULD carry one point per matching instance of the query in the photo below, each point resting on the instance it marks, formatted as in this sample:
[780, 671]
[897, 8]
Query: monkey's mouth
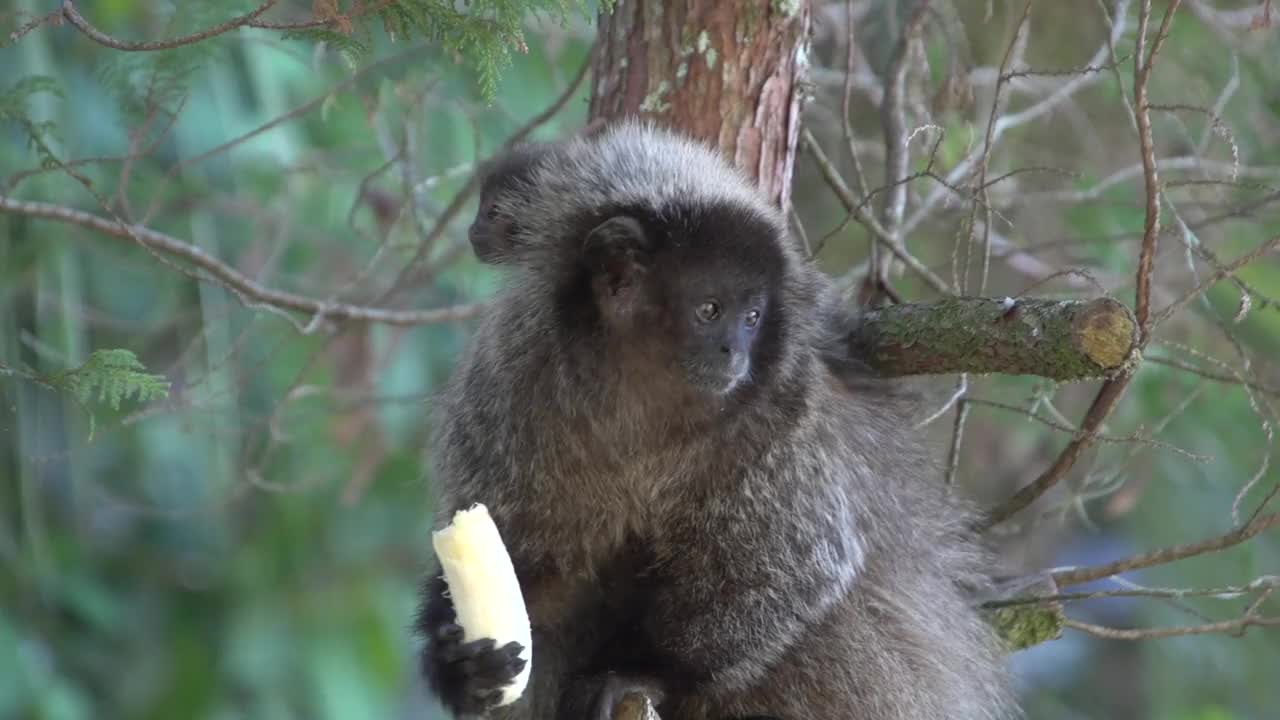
[738, 371]
[719, 380]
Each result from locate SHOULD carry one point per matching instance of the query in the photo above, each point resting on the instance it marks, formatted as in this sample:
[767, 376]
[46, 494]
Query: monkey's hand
[469, 677]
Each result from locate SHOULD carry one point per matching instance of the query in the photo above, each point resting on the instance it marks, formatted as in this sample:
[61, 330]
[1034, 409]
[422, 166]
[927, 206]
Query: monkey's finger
[501, 669]
[511, 649]
[509, 671]
[455, 653]
[449, 633]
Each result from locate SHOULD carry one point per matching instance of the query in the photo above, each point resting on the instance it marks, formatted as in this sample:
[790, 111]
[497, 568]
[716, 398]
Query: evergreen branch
[115, 374]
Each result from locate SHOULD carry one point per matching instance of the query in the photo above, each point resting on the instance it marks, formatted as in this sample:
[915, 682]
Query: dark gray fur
[783, 551]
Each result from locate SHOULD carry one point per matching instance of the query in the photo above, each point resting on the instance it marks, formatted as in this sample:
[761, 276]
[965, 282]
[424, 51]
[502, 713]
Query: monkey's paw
[470, 676]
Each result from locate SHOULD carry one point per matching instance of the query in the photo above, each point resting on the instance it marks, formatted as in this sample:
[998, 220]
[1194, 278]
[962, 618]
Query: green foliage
[14, 108]
[1024, 626]
[116, 375]
[252, 547]
[113, 375]
[243, 550]
[485, 32]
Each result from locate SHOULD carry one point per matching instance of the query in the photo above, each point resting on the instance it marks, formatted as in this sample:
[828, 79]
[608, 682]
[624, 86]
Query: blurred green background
[250, 546]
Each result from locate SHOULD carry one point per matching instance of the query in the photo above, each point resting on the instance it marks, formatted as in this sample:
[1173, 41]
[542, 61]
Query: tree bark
[1057, 339]
[731, 73]
[725, 71]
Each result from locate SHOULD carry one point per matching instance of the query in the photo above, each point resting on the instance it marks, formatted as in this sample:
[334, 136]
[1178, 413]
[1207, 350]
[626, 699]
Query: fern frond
[115, 375]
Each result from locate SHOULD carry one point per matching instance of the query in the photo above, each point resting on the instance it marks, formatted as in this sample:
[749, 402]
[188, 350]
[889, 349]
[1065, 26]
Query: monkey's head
[690, 290]
[648, 243]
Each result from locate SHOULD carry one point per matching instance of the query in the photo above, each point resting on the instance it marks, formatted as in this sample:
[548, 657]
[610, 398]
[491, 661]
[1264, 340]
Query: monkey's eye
[708, 311]
[752, 319]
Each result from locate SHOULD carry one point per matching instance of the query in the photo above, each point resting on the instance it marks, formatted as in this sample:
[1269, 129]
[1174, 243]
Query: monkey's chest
[603, 597]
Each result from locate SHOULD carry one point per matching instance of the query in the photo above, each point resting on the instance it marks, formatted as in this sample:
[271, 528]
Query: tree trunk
[725, 71]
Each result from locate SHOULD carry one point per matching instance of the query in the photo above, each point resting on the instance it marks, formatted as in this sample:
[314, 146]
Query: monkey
[706, 497]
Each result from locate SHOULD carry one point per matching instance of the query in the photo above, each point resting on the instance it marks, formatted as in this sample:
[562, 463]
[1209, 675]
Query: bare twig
[77, 20]
[228, 276]
[410, 274]
[984, 161]
[859, 212]
[1226, 626]
[1106, 399]
[894, 121]
[1144, 63]
[1221, 273]
[1210, 375]
[1113, 389]
[1007, 122]
[1221, 593]
[1255, 526]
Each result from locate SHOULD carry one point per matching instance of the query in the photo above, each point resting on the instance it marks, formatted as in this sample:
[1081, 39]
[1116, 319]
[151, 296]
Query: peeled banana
[483, 586]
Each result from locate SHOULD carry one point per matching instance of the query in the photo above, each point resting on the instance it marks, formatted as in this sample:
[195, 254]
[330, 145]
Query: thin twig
[1221, 273]
[1225, 626]
[894, 121]
[859, 213]
[1143, 64]
[984, 160]
[228, 276]
[1230, 592]
[96, 35]
[1255, 526]
[409, 274]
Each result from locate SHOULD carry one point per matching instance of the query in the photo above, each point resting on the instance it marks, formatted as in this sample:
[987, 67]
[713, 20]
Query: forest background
[215, 501]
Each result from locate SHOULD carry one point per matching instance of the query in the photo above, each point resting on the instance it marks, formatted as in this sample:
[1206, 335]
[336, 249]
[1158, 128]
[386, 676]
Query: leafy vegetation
[244, 535]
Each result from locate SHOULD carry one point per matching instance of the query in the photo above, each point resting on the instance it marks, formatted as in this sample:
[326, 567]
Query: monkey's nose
[724, 349]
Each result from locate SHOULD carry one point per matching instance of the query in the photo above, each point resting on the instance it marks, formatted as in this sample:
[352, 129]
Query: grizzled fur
[781, 550]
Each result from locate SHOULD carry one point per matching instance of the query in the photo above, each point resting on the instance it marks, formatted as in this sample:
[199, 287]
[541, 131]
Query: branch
[241, 285]
[1113, 389]
[858, 211]
[1237, 625]
[96, 35]
[1143, 65]
[408, 273]
[340, 22]
[1057, 339]
[1255, 526]
[1106, 399]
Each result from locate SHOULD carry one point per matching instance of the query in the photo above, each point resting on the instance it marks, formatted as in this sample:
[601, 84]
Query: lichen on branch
[1057, 339]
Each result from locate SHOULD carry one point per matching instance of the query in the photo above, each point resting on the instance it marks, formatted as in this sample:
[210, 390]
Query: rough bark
[1058, 339]
[726, 71]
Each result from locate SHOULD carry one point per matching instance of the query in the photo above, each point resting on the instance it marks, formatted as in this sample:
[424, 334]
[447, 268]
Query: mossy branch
[1057, 339]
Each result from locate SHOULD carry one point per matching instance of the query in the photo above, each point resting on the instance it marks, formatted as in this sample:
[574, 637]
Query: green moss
[1024, 626]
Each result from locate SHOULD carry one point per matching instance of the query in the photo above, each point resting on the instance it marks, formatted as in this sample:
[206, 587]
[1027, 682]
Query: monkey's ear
[492, 234]
[618, 251]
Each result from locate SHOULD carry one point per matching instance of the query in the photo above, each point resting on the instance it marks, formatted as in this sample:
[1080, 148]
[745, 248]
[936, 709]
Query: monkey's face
[688, 290]
[716, 325]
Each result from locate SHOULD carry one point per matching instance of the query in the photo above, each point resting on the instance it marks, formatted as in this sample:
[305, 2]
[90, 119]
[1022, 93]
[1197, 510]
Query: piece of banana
[483, 587]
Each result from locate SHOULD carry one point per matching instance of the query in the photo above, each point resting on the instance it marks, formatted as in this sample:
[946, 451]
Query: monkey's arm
[746, 576]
